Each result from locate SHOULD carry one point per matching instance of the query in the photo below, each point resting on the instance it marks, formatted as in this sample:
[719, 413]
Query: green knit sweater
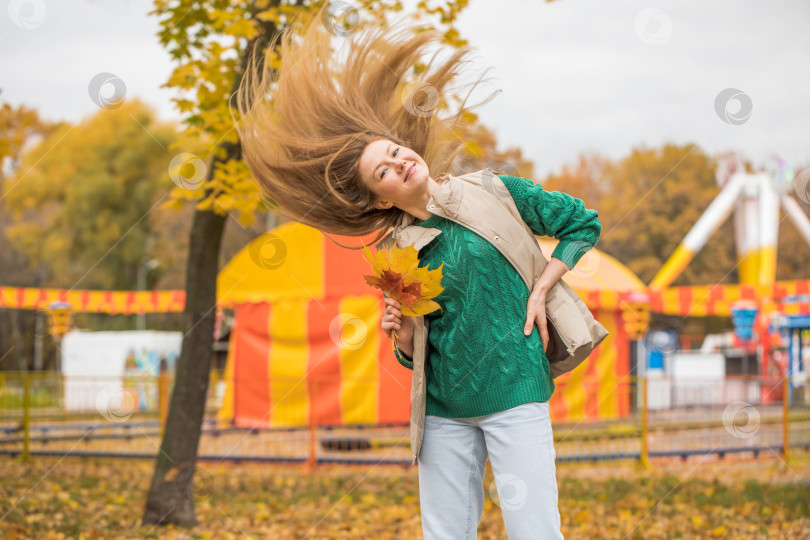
[479, 360]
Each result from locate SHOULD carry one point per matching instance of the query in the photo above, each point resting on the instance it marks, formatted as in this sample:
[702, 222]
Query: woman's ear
[383, 205]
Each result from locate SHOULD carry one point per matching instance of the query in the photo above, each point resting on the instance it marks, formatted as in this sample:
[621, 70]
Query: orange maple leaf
[398, 275]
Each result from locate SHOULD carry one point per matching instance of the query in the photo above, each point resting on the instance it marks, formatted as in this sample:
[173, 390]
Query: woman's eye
[395, 152]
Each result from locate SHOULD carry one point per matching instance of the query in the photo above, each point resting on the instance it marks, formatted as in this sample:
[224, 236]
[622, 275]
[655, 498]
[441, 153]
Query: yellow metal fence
[44, 413]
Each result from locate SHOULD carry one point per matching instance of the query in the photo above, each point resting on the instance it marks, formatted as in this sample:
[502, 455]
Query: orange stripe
[557, 406]
[395, 383]
[591, 387]
[622, 364]
[716, 295]
[747, 292]
[346, 267]
[252, 397]
[684, 300]
[324, 362]
[656, 300]
[107, 296]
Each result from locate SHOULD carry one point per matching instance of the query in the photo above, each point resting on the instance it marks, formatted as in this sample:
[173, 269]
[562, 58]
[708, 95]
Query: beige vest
[482, 203]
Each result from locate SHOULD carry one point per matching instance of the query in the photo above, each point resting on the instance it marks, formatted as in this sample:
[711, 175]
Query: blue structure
[658, 344]
[743, 319]
[791, 328]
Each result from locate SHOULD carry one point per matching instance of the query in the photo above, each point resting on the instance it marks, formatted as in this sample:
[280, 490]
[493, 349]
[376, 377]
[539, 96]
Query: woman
[353, 148]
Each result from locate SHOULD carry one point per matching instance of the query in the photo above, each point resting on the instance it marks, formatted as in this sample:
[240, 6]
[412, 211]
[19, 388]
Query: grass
[88, 498]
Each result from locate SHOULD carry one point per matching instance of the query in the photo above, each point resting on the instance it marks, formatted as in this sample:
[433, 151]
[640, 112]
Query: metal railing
[45, 413]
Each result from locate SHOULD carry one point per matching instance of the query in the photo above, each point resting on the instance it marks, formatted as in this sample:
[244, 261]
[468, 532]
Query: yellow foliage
[398, 275]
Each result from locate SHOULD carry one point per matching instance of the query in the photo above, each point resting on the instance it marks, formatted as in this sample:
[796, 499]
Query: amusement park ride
[771, 318]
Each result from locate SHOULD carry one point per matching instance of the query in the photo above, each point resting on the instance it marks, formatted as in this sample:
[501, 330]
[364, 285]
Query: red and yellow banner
[717, 299]
[85, 301]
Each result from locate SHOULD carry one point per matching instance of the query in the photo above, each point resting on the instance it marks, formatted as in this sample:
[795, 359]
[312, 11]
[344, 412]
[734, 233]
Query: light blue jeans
[519, 444]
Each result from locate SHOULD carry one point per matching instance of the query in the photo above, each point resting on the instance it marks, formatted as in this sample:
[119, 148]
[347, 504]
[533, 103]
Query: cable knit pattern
[479, 361]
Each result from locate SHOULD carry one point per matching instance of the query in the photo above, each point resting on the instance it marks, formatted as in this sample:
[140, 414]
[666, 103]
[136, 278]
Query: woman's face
[397, 174]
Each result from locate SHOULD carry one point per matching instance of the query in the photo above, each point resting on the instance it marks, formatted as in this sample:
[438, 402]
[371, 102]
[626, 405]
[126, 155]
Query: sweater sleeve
[557, 214]
[403, 358]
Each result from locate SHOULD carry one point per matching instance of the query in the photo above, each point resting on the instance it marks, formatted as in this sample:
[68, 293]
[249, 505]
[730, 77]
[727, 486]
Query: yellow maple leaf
[398, 275]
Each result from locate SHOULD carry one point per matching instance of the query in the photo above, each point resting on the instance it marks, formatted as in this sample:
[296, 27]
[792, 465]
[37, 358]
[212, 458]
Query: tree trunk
[170, 495]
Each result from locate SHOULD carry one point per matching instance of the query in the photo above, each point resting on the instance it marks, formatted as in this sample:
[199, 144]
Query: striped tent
[600, 387]
[307, 344]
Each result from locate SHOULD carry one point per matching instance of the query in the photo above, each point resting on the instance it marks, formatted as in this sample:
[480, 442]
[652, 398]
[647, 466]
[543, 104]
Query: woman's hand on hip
[536, 314]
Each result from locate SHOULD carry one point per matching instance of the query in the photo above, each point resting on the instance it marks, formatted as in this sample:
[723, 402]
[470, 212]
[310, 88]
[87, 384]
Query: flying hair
[304, 126]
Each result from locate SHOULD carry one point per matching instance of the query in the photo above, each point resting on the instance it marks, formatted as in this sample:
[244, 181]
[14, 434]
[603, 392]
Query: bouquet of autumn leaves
[397, 274]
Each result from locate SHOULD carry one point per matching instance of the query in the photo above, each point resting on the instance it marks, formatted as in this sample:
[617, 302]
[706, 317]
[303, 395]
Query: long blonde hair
[304, 126]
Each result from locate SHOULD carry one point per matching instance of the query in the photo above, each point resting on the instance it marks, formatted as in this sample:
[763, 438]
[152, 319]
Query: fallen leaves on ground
[89, 498]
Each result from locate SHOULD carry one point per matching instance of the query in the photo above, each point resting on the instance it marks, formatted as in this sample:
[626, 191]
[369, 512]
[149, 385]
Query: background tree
[481, 150]
[82, 212]
[20, 128]
[647, 203]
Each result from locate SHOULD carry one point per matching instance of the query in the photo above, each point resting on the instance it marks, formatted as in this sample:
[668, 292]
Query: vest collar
[444, 201]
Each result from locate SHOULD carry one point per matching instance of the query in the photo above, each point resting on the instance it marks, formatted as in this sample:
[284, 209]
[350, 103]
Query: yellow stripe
[285, 263]
[748, 267]
[674, 266]
[359, 344]
[767, 268]
[288, 356]
[606, 373]
[607, 299]
[574, 394]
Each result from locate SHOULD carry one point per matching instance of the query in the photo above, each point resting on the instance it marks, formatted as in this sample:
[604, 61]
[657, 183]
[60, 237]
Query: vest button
[497, 238]
[432, 207]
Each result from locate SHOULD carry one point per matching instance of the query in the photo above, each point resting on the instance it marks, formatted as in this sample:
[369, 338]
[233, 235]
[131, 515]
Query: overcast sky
[575, 75]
